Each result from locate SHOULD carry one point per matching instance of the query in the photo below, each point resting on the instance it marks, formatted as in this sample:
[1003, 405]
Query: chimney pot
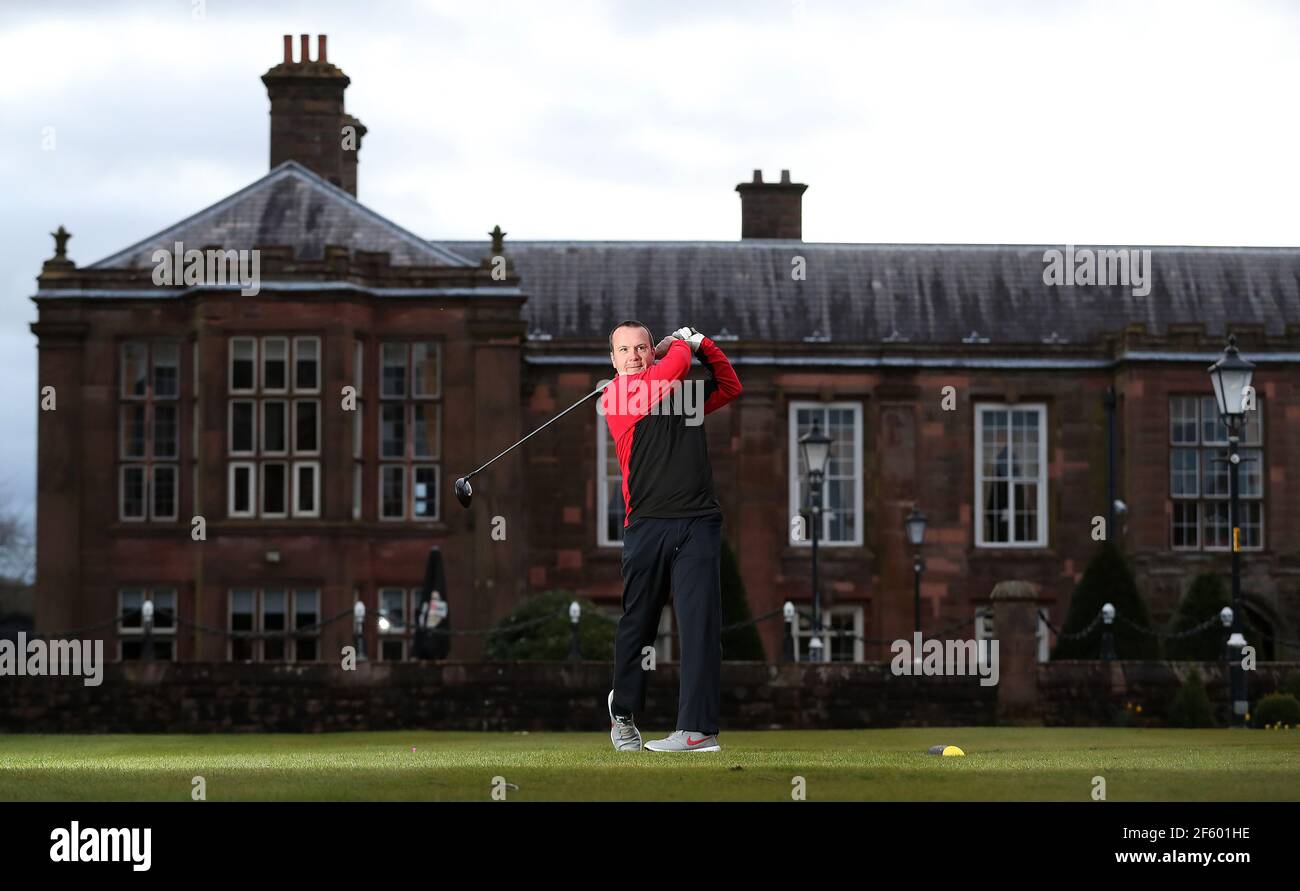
[320, 48]
[306, 54]
[785, 177]
[758, 176]
[288, 49]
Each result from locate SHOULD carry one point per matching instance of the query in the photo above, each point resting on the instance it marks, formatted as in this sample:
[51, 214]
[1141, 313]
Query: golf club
[465, 492]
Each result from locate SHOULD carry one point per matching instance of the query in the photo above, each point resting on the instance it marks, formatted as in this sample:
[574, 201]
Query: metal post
[1110, 401]
[146, 621]
[815, 646]
[359, 628]
[790, 616]
[1237, 640]
[575, 613]
[917, 566]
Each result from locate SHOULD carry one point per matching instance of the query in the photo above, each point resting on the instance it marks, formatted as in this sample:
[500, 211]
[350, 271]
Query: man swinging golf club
[672, 527]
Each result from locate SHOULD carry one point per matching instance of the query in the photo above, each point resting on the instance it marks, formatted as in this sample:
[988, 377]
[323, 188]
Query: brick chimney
[771, 210]
[307, 116]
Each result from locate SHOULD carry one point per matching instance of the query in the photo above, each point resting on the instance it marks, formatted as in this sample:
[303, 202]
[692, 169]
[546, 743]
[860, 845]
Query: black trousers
[682, 556]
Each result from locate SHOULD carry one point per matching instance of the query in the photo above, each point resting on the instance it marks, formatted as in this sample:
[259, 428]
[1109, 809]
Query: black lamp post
[915, 526]
[1231, 377]
[816, 448]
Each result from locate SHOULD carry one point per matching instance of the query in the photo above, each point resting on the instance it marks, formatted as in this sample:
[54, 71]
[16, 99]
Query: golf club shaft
[543, 427]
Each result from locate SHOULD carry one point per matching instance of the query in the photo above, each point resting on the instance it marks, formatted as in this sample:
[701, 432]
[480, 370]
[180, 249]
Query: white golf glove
[691, 336]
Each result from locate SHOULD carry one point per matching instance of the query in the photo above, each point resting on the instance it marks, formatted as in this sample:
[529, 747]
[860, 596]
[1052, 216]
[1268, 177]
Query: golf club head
[464, 492]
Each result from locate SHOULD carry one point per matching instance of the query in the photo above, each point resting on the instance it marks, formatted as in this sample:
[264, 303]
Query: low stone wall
[514, 696]
[232, 697]
[1106, 693]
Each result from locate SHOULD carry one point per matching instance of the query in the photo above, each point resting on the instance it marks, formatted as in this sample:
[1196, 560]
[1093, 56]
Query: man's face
[633, 353]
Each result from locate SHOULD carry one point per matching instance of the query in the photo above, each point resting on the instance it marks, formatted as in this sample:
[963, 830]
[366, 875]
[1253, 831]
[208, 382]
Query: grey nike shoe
[685, 741]
[622, 732]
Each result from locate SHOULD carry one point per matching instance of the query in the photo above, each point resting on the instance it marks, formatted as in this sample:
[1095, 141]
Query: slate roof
[868, 293]
[289, 206]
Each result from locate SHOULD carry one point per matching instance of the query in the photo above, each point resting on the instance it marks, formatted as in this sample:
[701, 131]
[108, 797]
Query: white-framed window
[1010, 475]
[610, 510]
[842, 484]
[288, 618]
[841, 633]
[398, 608]
[269, 425]
[130, 638]
[1200, 515]
[149, 437]
[409, 419]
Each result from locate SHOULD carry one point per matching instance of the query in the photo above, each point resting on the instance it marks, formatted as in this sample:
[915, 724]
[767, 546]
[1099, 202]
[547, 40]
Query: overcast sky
[994, 122]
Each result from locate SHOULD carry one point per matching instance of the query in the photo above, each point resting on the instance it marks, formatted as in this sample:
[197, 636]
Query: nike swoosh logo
[696, 742]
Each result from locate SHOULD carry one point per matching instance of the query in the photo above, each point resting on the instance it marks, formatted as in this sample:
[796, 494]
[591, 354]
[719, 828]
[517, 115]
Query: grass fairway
[1002, 764]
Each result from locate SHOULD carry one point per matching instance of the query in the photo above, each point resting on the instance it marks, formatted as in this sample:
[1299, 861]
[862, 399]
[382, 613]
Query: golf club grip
[541, 428]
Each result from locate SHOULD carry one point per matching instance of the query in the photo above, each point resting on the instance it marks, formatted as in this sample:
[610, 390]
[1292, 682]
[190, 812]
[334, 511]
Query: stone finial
[59, 264]
[498, 240]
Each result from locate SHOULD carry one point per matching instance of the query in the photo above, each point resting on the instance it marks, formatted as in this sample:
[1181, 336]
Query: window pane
[425, 358]
[426, 492]
[275, 426]
[306, 609]
[358, 365]
[274, 481]
[1218, 532]
[241, 426]
[307, 375]
[243, 483]
[996, 512]
[391, 480]
[275, 363]
[1213, 430]
[1252, 524]
[166, 431]
[166, 370]
[356, 492]
[392, 606]
[1252, 430]
[133, 492]
[1026, 512]
[1184, 473]
[393, 380]
[305, 488]
[241, 620]
[164, 491]
[274, 619]
[307, 439]
[1250, 473]
[425, 430]
[241, 363]
[393, 433]
[1214, 473]
[133, 369]
[130, 600]
[1182, 419]
[358, 417]
[164, 609]
[1186, 519]
[133, 431]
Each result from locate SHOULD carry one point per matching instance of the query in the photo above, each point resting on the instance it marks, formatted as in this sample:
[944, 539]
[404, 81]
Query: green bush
[1203, 600]
[1292, 685]
[1277, 708]
[1191, 706]
[742, 643]
[1107, 579]
[548, 639]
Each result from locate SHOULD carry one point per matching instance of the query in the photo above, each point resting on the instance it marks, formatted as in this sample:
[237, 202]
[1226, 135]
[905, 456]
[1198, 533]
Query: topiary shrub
[1107, 579]
[741, 643]
[1203, 600]
[1191, 704]
[1277, 708]
[547, 639]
